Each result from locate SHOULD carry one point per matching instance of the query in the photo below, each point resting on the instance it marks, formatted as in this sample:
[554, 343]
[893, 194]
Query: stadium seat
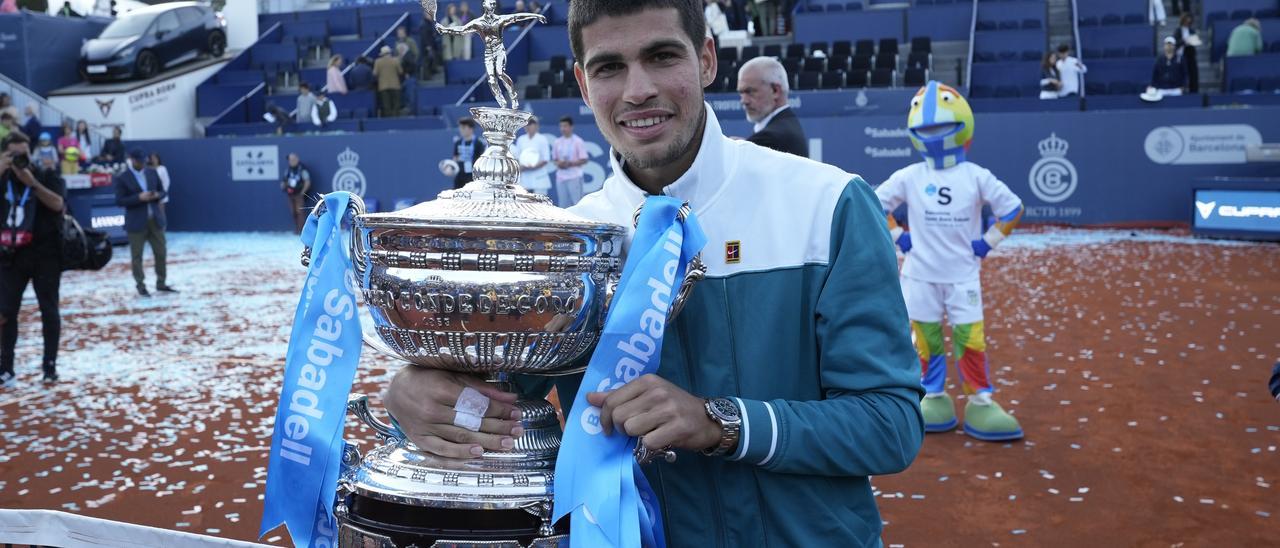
[559, 91]
[1243, 84]
[558, 63]
[861, 62]
[1095, 88]
[1135, 19]
[1268, 13]
[1031, 24]
[986, 26]
[915, 77]
[1112, 19]
[1215, 16]
[1007, 91]
[853, 6]
[792, 66]
[887, 61]
[1089, 21]
[819, 46]
[815, 8]
[838, 62]
[924, 2]
[1122, 88]
[808, 80]
[922, 60]
[857, 79]
[882, 78]
[863, 47]
[534, 92]
[981, 91]
[921, 44]
[1238, 15]
[814, 64]
[716, 85]
[835, 7]
[887, 45]
[727, 54]
[548, 78]
[1007, 25]
[1092, 53]
[984, 57]
[1031, 55]
[795, 51]
[1007, 55]
[749, 53]
[773, 50]
[1269, 85]
[1140, 51]
[1274, 47]
[833, 79]
[1111, 53]
[725, 68]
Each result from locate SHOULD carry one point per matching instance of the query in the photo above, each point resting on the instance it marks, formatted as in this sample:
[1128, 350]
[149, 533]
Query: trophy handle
[359, 253]
[695, 273]
[358, 405]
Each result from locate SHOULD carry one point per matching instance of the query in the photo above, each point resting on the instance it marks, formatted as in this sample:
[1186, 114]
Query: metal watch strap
[730, 430]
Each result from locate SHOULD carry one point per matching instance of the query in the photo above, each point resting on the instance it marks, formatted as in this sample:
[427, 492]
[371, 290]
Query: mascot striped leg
[939, 411]
[983, 417]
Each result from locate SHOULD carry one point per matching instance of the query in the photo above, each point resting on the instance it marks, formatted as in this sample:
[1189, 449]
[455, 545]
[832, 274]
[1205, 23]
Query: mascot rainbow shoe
[944, 251]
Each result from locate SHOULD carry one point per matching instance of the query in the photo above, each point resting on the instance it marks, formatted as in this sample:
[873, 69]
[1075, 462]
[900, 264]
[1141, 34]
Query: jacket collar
[705, 180]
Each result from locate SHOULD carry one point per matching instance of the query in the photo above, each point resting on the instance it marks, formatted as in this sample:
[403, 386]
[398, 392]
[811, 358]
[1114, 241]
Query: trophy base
[370, 523]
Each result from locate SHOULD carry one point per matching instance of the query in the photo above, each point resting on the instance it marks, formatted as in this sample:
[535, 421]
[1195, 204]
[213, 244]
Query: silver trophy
[490, 280]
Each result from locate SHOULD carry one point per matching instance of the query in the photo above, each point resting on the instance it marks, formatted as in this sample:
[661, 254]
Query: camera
[21, 161]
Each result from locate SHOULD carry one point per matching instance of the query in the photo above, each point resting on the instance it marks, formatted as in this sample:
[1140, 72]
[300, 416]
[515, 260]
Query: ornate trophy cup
[488, 280]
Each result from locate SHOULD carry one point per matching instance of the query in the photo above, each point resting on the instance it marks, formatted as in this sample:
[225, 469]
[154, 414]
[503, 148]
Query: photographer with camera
[296, 184]
[30, 250]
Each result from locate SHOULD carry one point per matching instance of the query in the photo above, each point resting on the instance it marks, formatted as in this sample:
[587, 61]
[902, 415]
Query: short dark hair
[6, 116]
[304, 85]
[15, 138]
[566, 120]
[466, 121]
[1064, 48]
[586, 12]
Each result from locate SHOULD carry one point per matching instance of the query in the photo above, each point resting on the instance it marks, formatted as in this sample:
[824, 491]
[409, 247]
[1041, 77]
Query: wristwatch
[725, 413]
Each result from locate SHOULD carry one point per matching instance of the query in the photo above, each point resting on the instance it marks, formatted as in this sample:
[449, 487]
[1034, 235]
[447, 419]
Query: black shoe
[165, 289]
[50, 377]
[6, 378]
[142, 292]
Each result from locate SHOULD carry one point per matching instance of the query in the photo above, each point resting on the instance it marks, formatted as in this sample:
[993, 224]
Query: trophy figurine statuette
[489, 279]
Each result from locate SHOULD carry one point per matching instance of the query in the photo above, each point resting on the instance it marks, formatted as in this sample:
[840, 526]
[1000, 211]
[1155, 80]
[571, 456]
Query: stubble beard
[678, 147]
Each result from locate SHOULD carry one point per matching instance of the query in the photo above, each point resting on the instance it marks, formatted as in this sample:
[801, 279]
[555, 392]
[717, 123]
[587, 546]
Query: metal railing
[968, 69]
[1075, 34]
[22, 97]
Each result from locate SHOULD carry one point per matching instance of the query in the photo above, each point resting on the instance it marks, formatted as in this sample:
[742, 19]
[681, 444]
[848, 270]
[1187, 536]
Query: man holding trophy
[758, 401]
[789, 377]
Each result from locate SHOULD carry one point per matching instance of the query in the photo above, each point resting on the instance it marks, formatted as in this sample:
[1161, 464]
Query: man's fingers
[641, 424]
[488, 441]
[660, 437]
[440, 447]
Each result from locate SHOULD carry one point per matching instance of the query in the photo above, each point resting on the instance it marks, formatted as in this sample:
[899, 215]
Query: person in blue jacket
[800, 325]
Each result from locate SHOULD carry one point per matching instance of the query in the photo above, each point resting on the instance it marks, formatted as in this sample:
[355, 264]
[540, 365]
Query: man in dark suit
[139, 191]
[762, 89]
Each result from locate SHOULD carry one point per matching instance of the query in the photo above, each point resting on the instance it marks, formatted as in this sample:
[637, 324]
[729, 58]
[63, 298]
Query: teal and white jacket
[807, 331]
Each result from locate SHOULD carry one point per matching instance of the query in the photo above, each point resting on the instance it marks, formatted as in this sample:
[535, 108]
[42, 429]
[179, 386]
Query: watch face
[725, 408]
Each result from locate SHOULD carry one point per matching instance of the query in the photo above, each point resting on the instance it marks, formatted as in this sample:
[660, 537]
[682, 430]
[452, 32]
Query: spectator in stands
[387, 71]
[360, 77]
[32, 125]
[324, 112]
[1245, 39]
[763, 89]
[1188, 40]
[533, 150]
[413, 54]
[139, 191]
[1050, 80]
[429, 38]
[35, 257]
[766, 15]
[736, 12]
[466, 150]
[717, 21]
[45, 152]
[7, 125]
[452, 45]
[6, 106]
[306, 100]
[518, 7]
[1169, 76]
[1071, 72]
[1181, 7]
[334, 83]
[113, 148]
[67, 140]
[297, 186]
[153, 162]
[66, 11]
[569, 153]
[88, 141]
[462, 48]
[9, 6]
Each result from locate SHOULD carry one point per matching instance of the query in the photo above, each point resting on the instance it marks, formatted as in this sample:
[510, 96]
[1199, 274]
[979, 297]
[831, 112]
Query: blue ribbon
[597, 480]
[324, 349]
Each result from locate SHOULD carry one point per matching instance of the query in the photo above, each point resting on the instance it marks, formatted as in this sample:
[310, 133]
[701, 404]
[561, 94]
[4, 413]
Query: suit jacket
[128, 190]
[783, 133]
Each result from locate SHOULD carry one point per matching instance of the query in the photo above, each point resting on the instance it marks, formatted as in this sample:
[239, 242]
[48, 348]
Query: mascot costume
[944, 248]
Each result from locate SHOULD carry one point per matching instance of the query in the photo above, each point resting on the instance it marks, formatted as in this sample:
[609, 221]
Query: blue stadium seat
[1237, 15]
[981, 91]
[1095, 88]
[1007, 91]
[1140, 51]
[1031, 55]
[1031, 24]
[883, 78]
[1267, 13]
[1269, 85]
[835, 8]
[832, 79]
[1135, 19]
[984, 57]
[1088, 21]
[1243, 84]
[1091, 53]
[1114, 52]
[986, 25]
[1112, 19]
[1215, 16]
[815, 8]
[808, 80]
[1008, 25]
[1007, 55]
[924, 2]
[1122, 88]
[1274, 47]
[853, 6]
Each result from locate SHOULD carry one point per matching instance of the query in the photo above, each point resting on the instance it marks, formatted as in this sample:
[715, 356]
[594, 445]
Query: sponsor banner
[1237, 210]
[1201, 144]
[255, 163]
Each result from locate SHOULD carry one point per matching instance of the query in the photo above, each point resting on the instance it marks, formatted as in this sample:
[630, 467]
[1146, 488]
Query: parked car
[145, 41]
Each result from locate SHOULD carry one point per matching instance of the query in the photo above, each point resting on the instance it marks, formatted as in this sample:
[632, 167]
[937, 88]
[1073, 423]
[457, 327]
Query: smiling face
[940, 124]
[643, 79]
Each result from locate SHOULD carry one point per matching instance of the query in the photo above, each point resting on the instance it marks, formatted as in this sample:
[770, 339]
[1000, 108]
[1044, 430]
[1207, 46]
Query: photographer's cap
[137, 154]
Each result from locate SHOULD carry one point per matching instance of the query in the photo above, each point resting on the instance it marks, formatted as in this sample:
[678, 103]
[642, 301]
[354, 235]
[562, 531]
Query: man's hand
[665, 415]
[149, 196]
[422, 402]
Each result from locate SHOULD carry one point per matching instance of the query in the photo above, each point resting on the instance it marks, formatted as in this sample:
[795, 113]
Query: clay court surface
[1137, 363]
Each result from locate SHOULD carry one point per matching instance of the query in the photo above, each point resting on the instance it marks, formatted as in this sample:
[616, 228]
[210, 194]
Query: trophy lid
[495, 197]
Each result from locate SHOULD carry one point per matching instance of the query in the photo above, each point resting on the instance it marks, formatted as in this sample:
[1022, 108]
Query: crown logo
[1054, 146]
[348, 158]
